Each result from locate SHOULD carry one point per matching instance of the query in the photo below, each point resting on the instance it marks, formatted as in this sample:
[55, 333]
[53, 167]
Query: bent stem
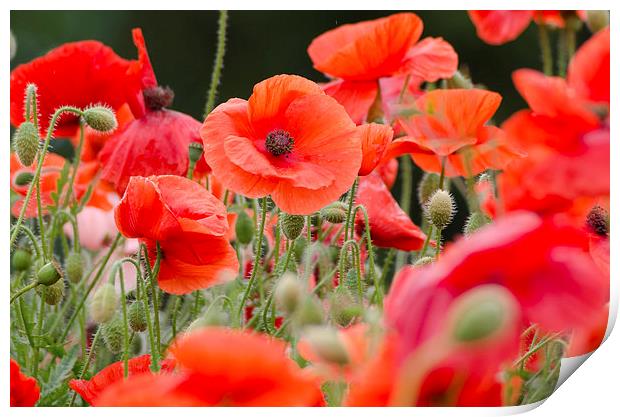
[23, 291]
[350, 208]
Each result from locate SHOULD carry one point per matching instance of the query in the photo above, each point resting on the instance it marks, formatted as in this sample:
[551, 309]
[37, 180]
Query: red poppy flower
[390, 227]
[388, 170]
[90, 390]
[452, 126]
[360, 54]
[222, 367]
[24, 389]
[289, 140]
[189, 224]
[375, 139]
[156, 142]
[77, 74]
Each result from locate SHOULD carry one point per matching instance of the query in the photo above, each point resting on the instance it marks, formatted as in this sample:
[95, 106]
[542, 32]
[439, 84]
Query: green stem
[35, 353]
[438, 245]
[371, 256]
[219, 62]
[121, 276]
[76, 163]
[93, 345]
[153, 273]
[23, 291]
[545, 49]
[348, 220]
[406, 170]
[33, 240]
[173, 318]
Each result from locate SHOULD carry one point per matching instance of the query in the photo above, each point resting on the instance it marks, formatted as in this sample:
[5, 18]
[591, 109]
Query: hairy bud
[440, 209]
[74, 267]
[244, 228]
[288, 293]
[327, 344]
[309, 312]
[474, 222]
[101, 119]
[26, 143]
[597, 20]
[292, 225]
[343, 309]
[112, 332]
[49, 274]
[136, 316]
[22, 260]
[53, 294]
[104, 303]
[335, 213]
[23, 178]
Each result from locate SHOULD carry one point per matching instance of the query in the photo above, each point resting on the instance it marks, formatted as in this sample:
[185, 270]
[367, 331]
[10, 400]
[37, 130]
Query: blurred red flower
[189, 224]
[24, 389]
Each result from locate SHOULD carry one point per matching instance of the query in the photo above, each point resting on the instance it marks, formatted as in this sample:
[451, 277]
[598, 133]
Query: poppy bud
[597, 20]
[104, 303]
[440, 209]
[22, 259]
[137, 316]
[49, 273]
[474, 222]
[213, 317]
[343, 309]
[244, 228]
[112, 332]
[288, 293]
[13, 46]
[52, 294]
[598, 221]
[428, 185]
[195, 152]
[424, 260]
[481, 312]
[101, 119]
[26, 143]
[335, 213]
[74, 267]
[309, 312]
[327, 344]
[459, 80]
[264, 249]
[291, 225]
[23, 178]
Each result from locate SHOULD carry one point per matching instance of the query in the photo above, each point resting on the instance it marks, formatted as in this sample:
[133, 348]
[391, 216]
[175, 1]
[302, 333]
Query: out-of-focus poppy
[289, 140]
[24, 389]
[91, 389]
[375, 139]
[189, 224]
[452, 127]
[390, 227]
[358, 55]
[156, 142]
[222, 367]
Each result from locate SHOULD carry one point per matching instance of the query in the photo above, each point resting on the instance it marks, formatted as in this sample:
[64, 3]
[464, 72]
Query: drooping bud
[53, 294]
[104, 303]
[101, 119]
[23, 178]
[264, 249]
[288, 293]
[424, 260]
[482, 312]
[244, 228]
[195, 152]
[291, 225]
[26, 143]
[112, 333]
[474, 222]
[598, 221]
[335, 213]
[136, 315]
[597, 20]
[440, 209]
[22, 260]
[309, 312]
[343, 309]
[74, 267]
[327, 344]
[49, 274]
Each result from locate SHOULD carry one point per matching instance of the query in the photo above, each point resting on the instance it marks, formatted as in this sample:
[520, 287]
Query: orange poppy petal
[356, 96]
[588, 72]
[375, 139]
[497, 27]
[431, 59]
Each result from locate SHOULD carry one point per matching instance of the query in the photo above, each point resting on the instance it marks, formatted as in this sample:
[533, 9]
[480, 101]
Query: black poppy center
[279, 142]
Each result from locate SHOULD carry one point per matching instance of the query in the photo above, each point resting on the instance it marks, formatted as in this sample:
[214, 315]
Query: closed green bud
[424, 260]
[136, 316]
[26, 143]
[288, 293]
[335, 213]
[244, 228]
[213, 317]
[327, 344]
[343, 310]
[440, 209]
[52, 294]
[49, 274]
[291, 225]
[309, 312]
[427, 187]
[22, 260]
[474, 222]
[101, 119]
[597, 20]
[104, 303]
[23, 178]
[112, 332]
[195, 152]
[74, 267]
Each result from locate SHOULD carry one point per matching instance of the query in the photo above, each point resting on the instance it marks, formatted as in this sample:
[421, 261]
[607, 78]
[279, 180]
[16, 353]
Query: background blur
[260, 44]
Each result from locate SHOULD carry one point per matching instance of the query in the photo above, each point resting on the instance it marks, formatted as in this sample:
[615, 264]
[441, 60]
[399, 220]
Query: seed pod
[22, 260]
[288, 293]
[195, 151]
[327, 344]
[424, 260]
[23, 178]
[26, 143]
[52, 294]
[440, 209]
[244, 228]
[101, 119]
[335, 213]
[291, 225]
[112, 332]
[104, 303]
[74, 267]
[474, 222]
[49, 274]
[137, 316]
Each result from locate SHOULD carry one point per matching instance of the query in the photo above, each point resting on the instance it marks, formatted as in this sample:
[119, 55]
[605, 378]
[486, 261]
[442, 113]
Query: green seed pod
[26, 143]
[74, 267]
[104, 303]
[474, 222]
[101, 119]
[244, 228]
[23, 178]
[335, 213]
[291, 225]
[288, 293]
[49, 274]
[112, 332]
[597, 20]
[425, 260]
[427, 187]
[52, 294]
[22, 260]
[440, 209]
[327, 344]
[195, 152]
[309, 312]
[136, 316]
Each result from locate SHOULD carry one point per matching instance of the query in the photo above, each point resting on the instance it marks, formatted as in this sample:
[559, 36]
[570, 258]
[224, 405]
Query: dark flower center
[157, 98]
[279, 142]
